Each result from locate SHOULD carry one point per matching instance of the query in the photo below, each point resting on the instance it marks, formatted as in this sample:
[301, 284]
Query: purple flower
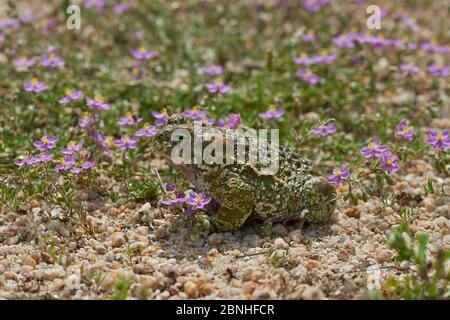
[87, 120]
[161, 117]
[65, 163]
[316, 59]
[217, 87]
[171, 187]
[72, 148]
[146, 131]
[24, 63]
[27, 19]
[232, 121]
[9, 23]
[439, 71]
[126, 143]
[374, 149]
[408, 68]
[51, 59]
[37, 159]
[195, 113]
[35, 86]
[308, 76]
[314, 5]
[97, 4]
[46, 143]
[389, 162]
[272, 113]
[71, 96]
[404, 131]
[339, 174]
[440, 140]
[128, 120]
[175, 198]
[212, 70]
[121, 8]
[325, 130]
[197, 200]
[2, 37]
[97, 103]
[143, 54]
[309, 37]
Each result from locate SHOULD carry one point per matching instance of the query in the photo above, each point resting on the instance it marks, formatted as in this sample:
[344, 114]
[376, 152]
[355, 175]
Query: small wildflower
[309, 37]
[212, 70]
[374, 149]
[129, 120]
[232, 121]
[126, 143]
[339, 174]
[174, 198]
[272, 113]
[316, 59]
[439, 140]
[408, 68]
[217, 87]
[439, 71]
[71, 95]
[66, 163]
[195, 113]
[404, 131]
[146, 131]
[51, 59]
[308, 76]
[35, 86]
[24, 63]
[46, 143]
[121, 8]
[389, 162]
[143, 54]
[325, 130]
[97, 103]
[197, 200]
[87, 120]
[72, 148]
[161, 117]
[99, 5]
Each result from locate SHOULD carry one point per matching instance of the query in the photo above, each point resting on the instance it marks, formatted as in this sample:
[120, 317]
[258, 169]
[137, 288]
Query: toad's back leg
[235, 197]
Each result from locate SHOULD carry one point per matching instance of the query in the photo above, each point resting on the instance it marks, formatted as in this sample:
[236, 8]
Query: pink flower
[195, 113]
[51, 59]
[97, 103]
[439, 140]
[35, 86]
[272, 113]
[339, 174]
[389, 162]
[325, 130]
[70, 96]
[308, 76]
[161, 117]
[46, 143]
[374, 149]
[212, 70]
[72, 148]
[146, 131]
[216, 87]
[126, 143]
[232, 121]
[24, 63]
[197, 200]
[143, 54]
[404, 131]
[129, 120]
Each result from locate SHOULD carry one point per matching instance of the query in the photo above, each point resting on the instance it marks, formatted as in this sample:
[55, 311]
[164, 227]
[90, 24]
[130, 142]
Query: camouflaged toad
[296, 190]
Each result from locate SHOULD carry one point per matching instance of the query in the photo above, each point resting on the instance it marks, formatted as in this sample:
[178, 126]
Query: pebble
[190, 288]
[215, 238]
[117, 239]
[280, 230]
[280, 243]
[312, 293]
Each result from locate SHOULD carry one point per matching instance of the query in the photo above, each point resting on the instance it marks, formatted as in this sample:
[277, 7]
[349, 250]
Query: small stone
[262, 293]
[56, 213]
[72, 282]
[190, 288]
[25, 269]
[215, 238]
[343, 254]
[253, 240]
[145, 209]
[280, 230]
[28, 261]
[10, 275]
[354, 212]
[53, 273]
[117, 239]
[280, 244]
[312, 293]
[162, 232]
[297, 252]
[149, 281]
